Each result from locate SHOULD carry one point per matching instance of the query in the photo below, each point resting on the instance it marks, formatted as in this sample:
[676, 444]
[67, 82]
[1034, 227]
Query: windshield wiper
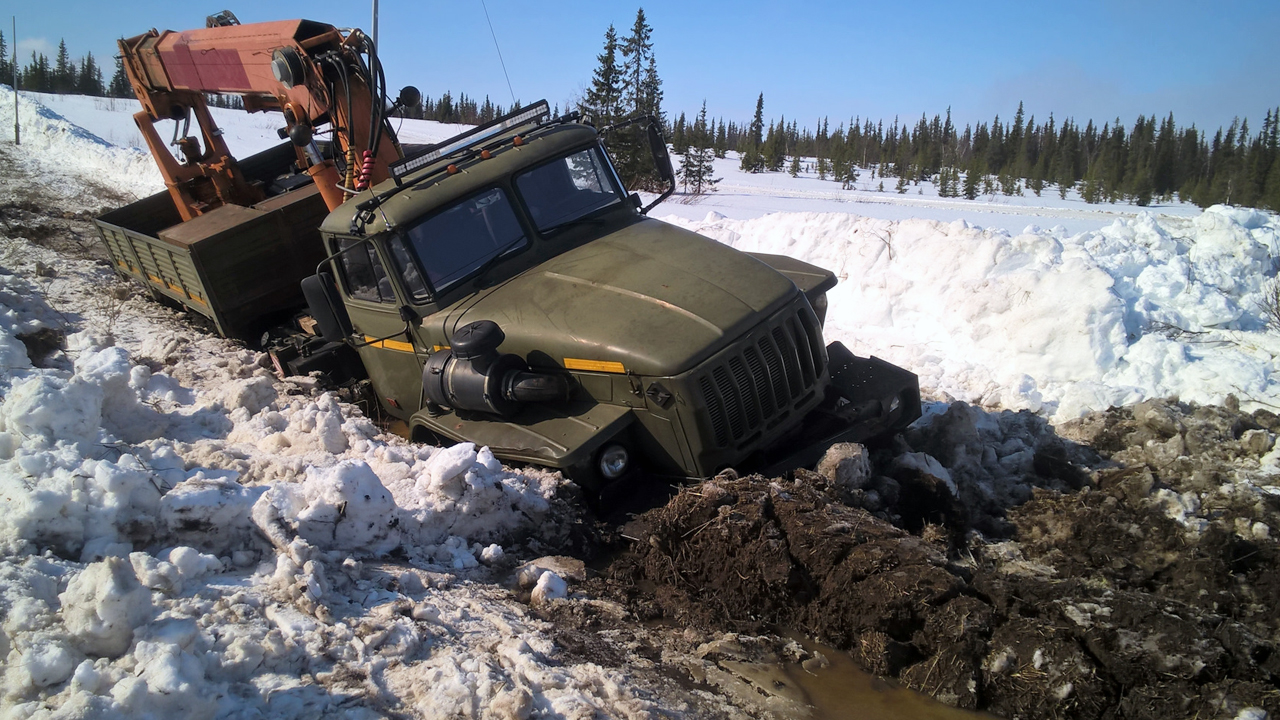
[487, 265]
[590, 218]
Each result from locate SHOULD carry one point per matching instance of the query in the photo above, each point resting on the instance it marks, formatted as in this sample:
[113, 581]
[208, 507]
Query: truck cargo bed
[238, 266]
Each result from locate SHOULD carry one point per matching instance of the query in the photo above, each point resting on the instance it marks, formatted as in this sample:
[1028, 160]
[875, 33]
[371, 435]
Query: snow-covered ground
[185, 535]
[743, 196]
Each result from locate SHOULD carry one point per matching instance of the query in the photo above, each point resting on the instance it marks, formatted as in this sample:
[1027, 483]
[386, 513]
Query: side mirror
[409, 97]
[661, 160]
[326, 307]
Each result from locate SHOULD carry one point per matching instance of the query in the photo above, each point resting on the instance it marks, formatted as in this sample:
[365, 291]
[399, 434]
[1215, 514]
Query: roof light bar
[538, 112]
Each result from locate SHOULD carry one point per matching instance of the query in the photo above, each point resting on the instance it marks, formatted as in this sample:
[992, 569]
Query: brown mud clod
[1123, 569]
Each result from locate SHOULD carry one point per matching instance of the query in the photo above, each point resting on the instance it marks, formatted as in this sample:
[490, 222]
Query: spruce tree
[6, 69]
[119, 86]
[680, 137]
[794, 169]
[775, 152]
[696, 170]
[752, 159]
[89, 81]
[63, 71]
[641, 95]
[651, 90]
[971, 180]
[637, 48]
[37, 75]
[846, 171]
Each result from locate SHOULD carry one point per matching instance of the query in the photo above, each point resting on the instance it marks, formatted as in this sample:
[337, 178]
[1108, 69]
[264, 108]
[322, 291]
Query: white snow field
[184, 535]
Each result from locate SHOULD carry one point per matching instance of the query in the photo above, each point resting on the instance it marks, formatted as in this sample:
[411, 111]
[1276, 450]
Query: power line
[495, 45]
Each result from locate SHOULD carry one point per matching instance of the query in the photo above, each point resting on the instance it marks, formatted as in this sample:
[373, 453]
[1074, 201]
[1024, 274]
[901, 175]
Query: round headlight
[614, 461]
[820, 308]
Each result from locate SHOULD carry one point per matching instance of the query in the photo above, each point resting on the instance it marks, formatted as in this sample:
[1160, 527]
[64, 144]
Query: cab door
[392, 357]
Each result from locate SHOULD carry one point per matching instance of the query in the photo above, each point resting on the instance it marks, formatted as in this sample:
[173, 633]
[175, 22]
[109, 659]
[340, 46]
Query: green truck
[504, 288]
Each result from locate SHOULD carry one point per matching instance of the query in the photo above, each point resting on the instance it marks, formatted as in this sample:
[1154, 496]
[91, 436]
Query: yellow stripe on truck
[608, 366]
[389, 344]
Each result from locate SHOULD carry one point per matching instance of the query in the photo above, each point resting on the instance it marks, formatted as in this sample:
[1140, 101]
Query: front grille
[757, 383]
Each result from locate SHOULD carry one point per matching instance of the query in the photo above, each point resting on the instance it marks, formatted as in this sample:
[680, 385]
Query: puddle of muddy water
[396, 426]
[844, 691]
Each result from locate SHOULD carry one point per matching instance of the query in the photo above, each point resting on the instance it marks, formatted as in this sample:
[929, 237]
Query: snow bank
[1149, 307]
[183, 534]
[84, 163]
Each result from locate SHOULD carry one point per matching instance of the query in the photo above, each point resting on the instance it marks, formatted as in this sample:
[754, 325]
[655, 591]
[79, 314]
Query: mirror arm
[671, 188]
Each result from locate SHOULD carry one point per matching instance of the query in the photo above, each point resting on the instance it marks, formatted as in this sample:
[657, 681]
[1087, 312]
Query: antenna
[495, 45]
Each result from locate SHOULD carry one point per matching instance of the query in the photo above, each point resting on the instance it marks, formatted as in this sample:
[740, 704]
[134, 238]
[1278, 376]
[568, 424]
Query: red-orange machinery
[312, 72]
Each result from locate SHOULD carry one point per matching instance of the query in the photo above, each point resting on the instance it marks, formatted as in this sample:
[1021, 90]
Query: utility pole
[17, 139]
[375, 23]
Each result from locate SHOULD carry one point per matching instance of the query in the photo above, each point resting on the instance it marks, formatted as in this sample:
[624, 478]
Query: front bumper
[868, 399]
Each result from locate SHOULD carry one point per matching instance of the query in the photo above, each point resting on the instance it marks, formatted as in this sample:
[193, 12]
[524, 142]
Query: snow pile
[85, 164]
[184, 534]
[1142, 308]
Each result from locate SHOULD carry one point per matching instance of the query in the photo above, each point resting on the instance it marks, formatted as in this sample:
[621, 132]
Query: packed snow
[186, 535]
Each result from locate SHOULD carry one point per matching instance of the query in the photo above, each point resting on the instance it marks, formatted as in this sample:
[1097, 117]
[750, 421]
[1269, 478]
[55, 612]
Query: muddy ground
[1127, 570]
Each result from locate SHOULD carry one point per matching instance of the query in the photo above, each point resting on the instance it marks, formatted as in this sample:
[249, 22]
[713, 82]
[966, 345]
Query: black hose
[377, 82]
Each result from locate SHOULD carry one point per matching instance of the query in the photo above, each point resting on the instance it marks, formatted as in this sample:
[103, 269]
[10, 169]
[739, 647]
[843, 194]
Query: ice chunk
[211, 513]
[550, 587]
[445, 469]
[102, 605]
[156, 574]
[348, 508]
[48, 664]
[927, 464]
[192, 563]
[13, 354]
[492, 554]
[54, 409]
[253, 394]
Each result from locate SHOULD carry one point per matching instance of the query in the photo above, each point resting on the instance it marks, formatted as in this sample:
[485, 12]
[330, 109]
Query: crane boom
[313, 73]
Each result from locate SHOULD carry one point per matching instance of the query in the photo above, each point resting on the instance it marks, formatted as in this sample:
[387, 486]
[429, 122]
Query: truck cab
[503, 288]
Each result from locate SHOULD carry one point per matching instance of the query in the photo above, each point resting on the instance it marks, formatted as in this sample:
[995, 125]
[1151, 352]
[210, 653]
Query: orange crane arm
[310, 71]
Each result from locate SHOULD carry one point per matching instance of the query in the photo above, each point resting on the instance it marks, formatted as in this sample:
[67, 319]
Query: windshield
[454, 244]
[567, 189]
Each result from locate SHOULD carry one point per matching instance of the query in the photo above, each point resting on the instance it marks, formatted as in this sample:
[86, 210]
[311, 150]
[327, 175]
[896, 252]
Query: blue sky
[1100, 59]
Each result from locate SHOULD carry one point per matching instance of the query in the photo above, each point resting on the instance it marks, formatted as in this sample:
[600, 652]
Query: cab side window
[362, 272]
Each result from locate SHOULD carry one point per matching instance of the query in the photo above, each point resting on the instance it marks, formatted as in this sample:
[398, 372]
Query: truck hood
[654, 297]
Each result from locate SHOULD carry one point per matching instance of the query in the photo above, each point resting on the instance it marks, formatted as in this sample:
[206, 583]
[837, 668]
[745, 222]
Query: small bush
[1269, 306]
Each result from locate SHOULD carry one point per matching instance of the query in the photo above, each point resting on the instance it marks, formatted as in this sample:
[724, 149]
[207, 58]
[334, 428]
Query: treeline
[464, 109]
[62, 75]
[1154, 160]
